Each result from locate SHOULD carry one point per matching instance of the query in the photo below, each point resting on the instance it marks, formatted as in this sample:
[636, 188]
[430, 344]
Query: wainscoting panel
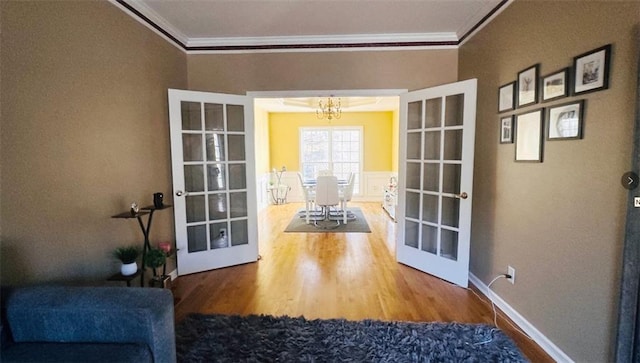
[371, 187]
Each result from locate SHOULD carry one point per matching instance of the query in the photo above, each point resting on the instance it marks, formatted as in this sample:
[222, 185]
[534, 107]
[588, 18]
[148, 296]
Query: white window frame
[331, 129]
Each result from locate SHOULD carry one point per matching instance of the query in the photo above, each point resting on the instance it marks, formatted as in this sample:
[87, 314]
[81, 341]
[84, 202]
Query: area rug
[253, 338]
[358, 225]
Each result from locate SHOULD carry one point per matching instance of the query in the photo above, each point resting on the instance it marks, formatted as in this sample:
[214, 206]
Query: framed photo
[506, 97]
[528, 86]
[506, 130]
[555, 85]
[565, 121]
[529, 136]
[592, 70]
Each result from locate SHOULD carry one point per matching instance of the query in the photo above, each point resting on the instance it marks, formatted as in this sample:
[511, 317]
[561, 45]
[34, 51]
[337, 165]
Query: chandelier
[329, 109]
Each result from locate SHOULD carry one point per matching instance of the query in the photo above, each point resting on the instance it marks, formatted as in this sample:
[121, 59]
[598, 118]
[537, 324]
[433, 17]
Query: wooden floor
[335, 275]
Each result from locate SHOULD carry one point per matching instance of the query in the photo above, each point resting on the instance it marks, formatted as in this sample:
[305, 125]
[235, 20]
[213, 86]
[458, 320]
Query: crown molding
[323, 40]
[313, 43]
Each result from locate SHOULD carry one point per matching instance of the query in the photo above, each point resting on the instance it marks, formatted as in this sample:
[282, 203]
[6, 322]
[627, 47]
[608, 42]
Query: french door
[437, 136]
[212, 152]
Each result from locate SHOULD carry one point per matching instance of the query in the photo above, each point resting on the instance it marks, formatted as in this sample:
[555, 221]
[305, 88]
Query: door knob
[180, 193]
[462, 195]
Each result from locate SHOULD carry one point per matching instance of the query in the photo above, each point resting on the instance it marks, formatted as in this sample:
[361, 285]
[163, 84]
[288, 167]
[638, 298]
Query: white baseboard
[544, 342]
[173, 274]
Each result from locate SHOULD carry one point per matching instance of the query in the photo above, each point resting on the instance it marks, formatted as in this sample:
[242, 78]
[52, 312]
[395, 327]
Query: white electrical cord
[493, 307]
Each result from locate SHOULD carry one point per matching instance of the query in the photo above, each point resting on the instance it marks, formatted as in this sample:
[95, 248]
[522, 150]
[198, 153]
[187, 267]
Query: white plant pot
[128, 269]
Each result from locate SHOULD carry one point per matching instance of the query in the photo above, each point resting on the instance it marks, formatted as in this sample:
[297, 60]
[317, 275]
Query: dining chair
[346, 193]
[309, 194]
[325, 172]
[326, 197]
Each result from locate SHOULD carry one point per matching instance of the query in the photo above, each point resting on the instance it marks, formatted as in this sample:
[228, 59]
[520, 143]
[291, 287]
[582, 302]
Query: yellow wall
[284, 142]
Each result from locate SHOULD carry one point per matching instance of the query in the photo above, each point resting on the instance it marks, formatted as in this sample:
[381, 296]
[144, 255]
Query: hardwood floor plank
[335, 275]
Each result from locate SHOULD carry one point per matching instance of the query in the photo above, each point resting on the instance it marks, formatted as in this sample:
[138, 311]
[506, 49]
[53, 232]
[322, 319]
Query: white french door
[437, 136]
[212, 152]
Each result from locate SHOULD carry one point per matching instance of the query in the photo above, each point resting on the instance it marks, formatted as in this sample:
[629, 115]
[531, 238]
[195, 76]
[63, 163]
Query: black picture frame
[564, 121]
[528, 86]
[555, 85]
[591, 70]
[529, 136]
[507, 97]
[506, 129]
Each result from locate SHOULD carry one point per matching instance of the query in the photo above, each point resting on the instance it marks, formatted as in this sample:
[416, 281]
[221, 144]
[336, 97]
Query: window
[338, 149]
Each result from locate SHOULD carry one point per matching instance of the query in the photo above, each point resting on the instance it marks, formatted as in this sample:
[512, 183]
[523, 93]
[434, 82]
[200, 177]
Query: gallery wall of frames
[529, 127]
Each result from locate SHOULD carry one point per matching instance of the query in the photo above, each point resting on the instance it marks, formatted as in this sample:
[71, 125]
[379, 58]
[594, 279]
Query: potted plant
[156, 258]
[127, 255]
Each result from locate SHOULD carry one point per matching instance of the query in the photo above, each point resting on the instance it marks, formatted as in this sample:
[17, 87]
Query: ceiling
[243, 25]
[223, 26]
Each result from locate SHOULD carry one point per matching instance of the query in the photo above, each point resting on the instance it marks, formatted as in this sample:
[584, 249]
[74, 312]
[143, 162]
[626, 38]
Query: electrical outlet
[511, 271]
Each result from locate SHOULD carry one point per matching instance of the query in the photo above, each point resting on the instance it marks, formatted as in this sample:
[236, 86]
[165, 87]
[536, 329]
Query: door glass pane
[193, 178]
[195, 208]
[412, 205]
[414, 143]
[411, 234]
[237, 176]
[191, 119]
[238, 204]
[239, 232]
[213, 117]
[192, 147]
[219, 235]
[196, 238]
[236, 147]
[453, 145]
[414, 115]
[431, 177]
[430, 208]
[217, 206]
[454, 110]
[413, 176]
[432, 145]
[449, 244]
[235, 117]
[433, 113]
[429, 239]
[450, 211]
[215, 147]
[215, 177]
[451, 178]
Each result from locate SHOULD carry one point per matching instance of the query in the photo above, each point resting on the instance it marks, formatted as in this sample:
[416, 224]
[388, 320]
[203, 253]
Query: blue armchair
[81, 324]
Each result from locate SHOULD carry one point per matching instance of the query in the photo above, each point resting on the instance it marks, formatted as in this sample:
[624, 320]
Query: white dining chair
[326, 197]
[346, 193]
[309, 194]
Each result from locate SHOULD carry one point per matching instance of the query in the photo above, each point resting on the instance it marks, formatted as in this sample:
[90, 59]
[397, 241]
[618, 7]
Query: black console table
[149, 210]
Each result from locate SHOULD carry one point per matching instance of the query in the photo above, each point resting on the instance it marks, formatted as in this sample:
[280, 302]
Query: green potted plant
[128, 256]
[156, 258]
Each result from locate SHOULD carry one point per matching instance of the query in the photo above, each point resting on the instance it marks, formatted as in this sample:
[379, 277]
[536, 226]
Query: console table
[149, 210]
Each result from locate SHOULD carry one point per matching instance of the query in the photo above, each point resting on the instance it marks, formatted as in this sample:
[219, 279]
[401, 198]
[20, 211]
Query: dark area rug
[231, 338]
[358, 225]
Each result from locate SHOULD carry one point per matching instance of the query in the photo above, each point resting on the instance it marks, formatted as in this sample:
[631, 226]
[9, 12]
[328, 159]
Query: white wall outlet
[636, 202]
[511, 271]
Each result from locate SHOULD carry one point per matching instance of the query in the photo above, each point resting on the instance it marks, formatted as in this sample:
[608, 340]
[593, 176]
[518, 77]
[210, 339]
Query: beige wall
[239, 73]
[84, 133]
[559, 223]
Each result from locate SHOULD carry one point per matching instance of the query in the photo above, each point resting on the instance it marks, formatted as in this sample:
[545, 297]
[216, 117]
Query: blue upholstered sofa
[87, 324]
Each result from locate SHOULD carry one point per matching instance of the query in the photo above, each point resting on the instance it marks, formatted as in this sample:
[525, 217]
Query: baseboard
[173, 274]
[556, 353]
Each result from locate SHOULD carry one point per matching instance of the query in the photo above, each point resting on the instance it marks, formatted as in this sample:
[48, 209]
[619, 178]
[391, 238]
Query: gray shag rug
[253, 338]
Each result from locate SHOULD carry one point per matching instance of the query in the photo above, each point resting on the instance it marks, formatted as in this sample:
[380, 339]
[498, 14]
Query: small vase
[128, 269]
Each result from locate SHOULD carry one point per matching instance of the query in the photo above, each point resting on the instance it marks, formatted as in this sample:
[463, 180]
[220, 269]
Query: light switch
[636, 202]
